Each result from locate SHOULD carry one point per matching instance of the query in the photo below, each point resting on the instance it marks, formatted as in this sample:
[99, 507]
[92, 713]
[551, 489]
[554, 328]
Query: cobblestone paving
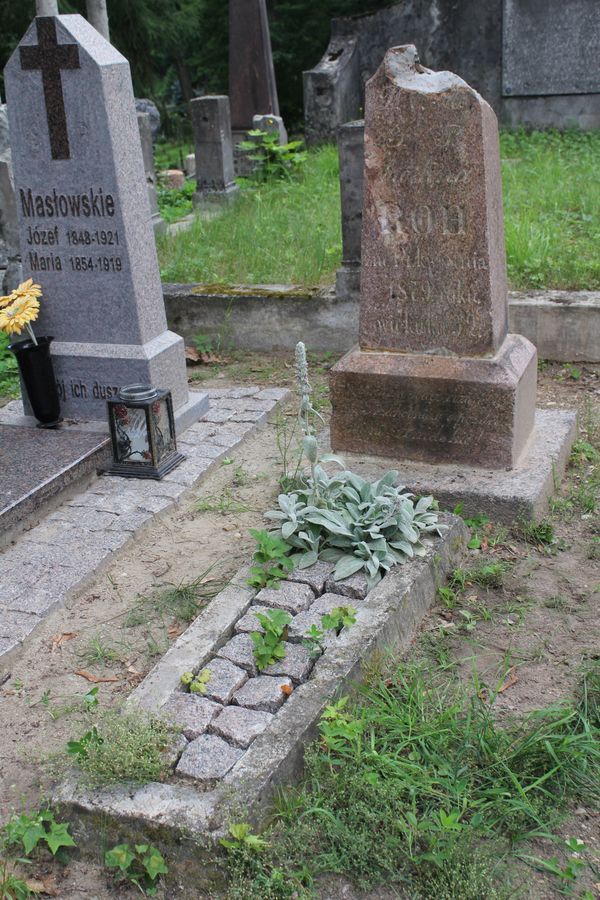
[249, 699]
[58, 557]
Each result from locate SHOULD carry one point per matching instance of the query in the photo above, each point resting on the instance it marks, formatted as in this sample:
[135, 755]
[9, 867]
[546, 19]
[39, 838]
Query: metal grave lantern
[142, 430]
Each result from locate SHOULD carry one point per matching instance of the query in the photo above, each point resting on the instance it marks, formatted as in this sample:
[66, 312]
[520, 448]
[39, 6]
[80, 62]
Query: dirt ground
[532, 634]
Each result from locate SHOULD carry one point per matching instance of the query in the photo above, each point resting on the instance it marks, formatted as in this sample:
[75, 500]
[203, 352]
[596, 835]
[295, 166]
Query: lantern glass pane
[132, 435]
[161, 425]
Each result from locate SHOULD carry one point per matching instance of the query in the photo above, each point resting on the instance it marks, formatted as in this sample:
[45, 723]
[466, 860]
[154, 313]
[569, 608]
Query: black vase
[37, 372]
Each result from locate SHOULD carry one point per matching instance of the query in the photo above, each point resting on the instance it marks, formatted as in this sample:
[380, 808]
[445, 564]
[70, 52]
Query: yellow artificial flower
[27, 290]
[4, 301]
[14, 318]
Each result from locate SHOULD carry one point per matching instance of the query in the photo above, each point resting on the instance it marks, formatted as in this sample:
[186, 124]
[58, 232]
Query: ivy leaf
[154, 864]
[59, 836]
[120, 857]
[32, 836]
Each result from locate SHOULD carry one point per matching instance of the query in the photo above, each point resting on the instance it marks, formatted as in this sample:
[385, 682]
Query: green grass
[416, 783]
[175, 204]
[123, 747]
[552, 209]
[290, 231]
[9, 378]
[285, 231]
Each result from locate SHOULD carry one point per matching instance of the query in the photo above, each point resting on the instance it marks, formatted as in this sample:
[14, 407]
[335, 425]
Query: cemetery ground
[416, 788]
[288, 231]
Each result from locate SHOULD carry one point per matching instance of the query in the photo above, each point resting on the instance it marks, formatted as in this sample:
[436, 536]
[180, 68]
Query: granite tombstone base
[87, 375]
[478, 411]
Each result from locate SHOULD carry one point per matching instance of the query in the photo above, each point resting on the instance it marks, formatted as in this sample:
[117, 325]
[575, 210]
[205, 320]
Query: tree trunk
[98, 16]
[46, 7]
[184, 79]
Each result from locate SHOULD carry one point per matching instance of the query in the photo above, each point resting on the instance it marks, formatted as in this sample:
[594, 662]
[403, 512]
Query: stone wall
[564, 325]
[477, 41]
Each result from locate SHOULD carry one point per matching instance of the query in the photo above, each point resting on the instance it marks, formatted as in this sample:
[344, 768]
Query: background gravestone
[436, 377]
[252, 87]
[4, 156]
[213, 169]
[85, 225]
[534, 61]
[11, 272]
[145, 129]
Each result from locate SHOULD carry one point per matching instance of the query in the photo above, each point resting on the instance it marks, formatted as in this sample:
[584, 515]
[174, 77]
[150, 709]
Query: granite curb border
[60, 556]
[185, 821]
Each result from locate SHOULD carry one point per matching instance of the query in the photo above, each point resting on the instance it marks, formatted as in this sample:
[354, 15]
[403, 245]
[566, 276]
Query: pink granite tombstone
[436, 377]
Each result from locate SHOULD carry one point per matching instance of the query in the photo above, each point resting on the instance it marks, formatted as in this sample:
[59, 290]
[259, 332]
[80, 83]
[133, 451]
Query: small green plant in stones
[272, 561]
[269, 647]
[243, 838]
[340, 617]
[196, 684]
[313, 641]
[141, 865]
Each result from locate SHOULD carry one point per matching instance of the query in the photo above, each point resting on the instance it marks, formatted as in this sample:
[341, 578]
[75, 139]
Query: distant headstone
[211, 124]
[143, 105]
[4, 133]
[145, 129]
[174, 179]
[351, 148]
[11, 271]
[84, 219]
[436, 377]
[252, 87]
[189, 165]
[271, 125]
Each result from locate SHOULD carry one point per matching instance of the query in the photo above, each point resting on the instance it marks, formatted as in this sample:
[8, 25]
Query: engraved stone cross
[51, 57]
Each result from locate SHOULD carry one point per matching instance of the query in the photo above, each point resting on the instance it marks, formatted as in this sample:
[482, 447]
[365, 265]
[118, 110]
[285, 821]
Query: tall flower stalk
[307, 414]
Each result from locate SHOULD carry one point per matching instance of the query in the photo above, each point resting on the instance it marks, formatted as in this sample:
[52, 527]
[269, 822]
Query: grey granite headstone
[4, 133]
[145, 129]
[4, 155]
[11, 272]
[550, 47]
[351, 147]
[271, 125]
[211, 124]
[10, 254]
[142, 104]
[85, 223]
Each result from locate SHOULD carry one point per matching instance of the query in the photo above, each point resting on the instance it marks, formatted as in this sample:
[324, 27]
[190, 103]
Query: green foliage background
[179, 48]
